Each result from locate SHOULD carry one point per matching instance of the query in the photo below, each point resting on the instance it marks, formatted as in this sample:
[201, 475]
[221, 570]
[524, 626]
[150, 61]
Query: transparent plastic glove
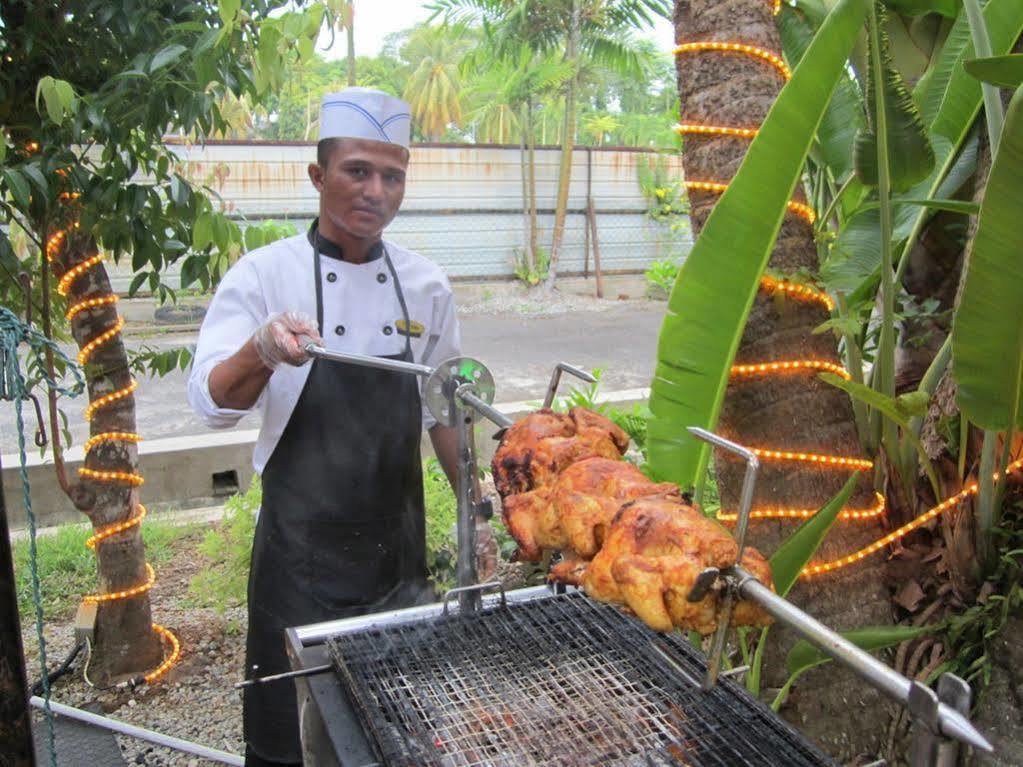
[282, 338]
[486, 551]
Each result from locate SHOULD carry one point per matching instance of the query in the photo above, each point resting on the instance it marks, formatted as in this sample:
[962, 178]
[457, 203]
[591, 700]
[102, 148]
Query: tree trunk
[567, 142]
[527, 251]
[350, 29]
[125, 643]
[788, 412]
[534, 238]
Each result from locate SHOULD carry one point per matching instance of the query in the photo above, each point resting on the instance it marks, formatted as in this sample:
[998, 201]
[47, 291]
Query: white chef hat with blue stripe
[367, 114]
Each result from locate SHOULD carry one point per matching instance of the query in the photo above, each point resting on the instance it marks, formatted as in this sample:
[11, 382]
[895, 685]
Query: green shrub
[441, 524]
[228, 550]
[660, 276]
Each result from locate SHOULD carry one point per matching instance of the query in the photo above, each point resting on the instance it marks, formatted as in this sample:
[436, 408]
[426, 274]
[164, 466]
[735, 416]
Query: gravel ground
[196, 701]
[515, 298]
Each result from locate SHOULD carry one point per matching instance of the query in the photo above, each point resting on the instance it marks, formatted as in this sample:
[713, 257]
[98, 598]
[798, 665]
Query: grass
[67, 569]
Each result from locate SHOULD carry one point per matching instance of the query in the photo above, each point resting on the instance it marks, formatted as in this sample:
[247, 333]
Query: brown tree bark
[795, 412]
[125, 644]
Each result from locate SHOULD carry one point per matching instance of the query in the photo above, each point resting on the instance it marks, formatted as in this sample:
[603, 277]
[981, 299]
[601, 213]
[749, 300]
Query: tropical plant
[434, 88]
[83, 169]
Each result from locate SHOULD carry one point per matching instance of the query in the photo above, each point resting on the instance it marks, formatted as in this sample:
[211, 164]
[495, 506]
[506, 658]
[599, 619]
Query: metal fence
[463, 205]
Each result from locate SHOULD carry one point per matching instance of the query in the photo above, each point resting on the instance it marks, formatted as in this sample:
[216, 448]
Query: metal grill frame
[546, 667]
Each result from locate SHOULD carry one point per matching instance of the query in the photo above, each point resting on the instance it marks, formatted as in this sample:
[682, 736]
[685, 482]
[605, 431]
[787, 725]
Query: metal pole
[15, 726]
[131, 730]
[591, 215]
[487, 411]
[367, 361]
[951, 723]
[468, 601]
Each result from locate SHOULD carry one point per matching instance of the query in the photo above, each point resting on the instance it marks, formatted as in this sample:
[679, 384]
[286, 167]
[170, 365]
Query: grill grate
[558, 681]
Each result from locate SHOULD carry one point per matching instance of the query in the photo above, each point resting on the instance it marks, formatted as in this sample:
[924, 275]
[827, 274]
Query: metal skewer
[931, 713]
[366, 361]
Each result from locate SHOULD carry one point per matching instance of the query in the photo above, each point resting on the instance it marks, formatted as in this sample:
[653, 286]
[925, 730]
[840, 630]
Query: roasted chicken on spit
[571, 515]
[624, 538]
[536, 449]
[654, 550]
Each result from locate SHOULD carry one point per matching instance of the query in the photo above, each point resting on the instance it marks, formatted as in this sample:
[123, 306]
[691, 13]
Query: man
[341, 526]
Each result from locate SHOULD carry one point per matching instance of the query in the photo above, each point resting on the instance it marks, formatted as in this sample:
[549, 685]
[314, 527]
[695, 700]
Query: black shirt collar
[333, 250]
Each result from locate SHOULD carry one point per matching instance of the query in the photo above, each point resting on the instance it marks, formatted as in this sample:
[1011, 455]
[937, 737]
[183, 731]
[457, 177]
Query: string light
[797, 291]
[767, 368]
[118, 527]
[902, 532]
[126, 477]
[873, 512]
[109, 399]
[53, 247]
[716, 187]
[32, 147]
[714, 130]
[86, 352]
[90, 303]
[835, 461]
[75, 272]
[770, 57]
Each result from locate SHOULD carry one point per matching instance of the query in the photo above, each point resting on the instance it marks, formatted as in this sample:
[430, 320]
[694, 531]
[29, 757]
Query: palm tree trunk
[350, 30]
[125, 644]
[567, 142]
[793, 412]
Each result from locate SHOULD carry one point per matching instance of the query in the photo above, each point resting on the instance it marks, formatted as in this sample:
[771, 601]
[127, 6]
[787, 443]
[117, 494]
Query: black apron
[341, 529]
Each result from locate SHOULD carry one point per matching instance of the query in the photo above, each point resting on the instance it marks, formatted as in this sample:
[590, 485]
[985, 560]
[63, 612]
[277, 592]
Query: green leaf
[202, 232]
[254, 238]
[899, 410]
[36, 177]
[50, 98]
[798, 549]
[909, 150]
[3, 147]
[166, 56]
[66, 95]
[855, 255]
[136, 282]
[228, 11]
[804, 655]
[706, 314]
[952, 206]
[948, 8]
[18, 187]
[1003, 71]
[987, 332]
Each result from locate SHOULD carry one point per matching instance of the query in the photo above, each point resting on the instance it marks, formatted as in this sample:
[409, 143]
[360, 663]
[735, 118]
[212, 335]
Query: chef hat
[367, 114]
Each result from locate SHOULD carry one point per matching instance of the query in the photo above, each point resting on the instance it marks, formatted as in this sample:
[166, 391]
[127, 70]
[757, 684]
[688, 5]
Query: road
[520, 351]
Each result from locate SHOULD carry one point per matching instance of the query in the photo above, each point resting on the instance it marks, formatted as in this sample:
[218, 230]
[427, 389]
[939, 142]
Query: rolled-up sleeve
[445, 340]
[236, 311]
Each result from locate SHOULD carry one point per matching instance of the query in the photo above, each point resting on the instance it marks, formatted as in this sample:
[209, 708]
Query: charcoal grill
[534, 679]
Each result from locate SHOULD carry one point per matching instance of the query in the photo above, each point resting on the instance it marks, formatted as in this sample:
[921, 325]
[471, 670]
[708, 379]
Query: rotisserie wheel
[540, 446]
[654, 550]
[572, 514]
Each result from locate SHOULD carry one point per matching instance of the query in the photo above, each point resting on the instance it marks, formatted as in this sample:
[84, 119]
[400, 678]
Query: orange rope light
[767, 368]
[75, 272]
[770, 57]
[109, 399]
[133, 479]
[90, 303]
[782, 513]
[86, 352]
[717, 187]
[902, 532]
[714, 130]
[833, 461]
[797, 291]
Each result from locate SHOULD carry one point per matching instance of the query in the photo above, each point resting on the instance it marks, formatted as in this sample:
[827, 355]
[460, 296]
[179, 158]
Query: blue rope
[12, 386]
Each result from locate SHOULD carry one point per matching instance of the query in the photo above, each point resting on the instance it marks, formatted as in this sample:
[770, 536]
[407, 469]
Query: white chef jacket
[360, 312]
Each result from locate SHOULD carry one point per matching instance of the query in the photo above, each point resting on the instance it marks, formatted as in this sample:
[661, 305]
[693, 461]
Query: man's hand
[486, 551]
[282, 338]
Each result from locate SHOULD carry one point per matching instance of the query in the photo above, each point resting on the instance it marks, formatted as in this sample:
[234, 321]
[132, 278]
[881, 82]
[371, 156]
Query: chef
[341, 526]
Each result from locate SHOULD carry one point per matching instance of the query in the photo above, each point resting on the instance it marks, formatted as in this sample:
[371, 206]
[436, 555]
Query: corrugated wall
[463, 203]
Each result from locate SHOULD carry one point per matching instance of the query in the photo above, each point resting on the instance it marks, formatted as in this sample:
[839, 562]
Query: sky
[375, 19]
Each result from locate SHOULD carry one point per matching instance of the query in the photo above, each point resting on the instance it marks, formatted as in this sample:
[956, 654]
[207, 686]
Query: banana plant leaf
[715, 288]
[804, 656]
[1003, 71]
[947, 8]
[844, 116]
[987, 332]
[911, 157]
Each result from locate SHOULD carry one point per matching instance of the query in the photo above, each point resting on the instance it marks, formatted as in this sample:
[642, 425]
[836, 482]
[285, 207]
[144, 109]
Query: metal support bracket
[564, 367]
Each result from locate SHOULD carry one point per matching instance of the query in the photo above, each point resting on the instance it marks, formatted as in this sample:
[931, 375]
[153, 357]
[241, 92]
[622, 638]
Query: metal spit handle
[367, 361]
[478, 588]
[564, 367]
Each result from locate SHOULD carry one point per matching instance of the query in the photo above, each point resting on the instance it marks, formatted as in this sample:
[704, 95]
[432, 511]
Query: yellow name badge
[416, 329]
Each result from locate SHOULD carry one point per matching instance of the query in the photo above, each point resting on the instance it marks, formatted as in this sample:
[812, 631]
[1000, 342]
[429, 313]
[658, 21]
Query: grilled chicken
[537, 448]
[654, 550]
[572, 514]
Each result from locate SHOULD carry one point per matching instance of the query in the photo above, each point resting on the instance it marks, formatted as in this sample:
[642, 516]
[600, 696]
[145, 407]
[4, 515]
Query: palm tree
[596, 29]
[434, 86]
[730, 89]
